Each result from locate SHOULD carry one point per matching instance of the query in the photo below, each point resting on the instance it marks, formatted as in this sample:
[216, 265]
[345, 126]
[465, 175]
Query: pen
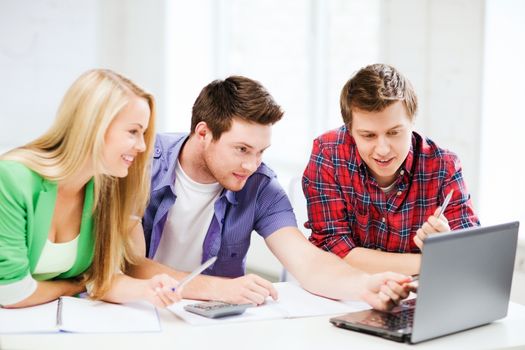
[445, 203]
[195, 273]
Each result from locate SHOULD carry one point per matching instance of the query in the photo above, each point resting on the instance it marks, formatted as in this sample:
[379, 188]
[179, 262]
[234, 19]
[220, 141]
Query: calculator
[216, 309]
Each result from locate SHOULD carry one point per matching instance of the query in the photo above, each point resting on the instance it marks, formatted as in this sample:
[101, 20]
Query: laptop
[464, 282]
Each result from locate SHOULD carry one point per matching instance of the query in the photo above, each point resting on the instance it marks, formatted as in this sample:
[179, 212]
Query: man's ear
[202, 131]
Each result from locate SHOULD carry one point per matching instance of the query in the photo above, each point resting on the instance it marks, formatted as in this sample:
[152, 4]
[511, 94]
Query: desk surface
[302, 333]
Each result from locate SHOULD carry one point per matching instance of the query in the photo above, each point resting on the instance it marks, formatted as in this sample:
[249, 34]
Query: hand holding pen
[194, 273]
[163, 290]
[435, 223]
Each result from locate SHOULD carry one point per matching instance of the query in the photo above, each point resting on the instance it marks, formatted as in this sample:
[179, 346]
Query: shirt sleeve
[274, 210]
[14, 258]
[15, 292]
[327, 208]
[460, 211]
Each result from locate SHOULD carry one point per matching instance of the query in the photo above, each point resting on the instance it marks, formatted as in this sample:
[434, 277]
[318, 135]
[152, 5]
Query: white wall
[132, 40]
[192, 57]
[439, 47]
[44, 46]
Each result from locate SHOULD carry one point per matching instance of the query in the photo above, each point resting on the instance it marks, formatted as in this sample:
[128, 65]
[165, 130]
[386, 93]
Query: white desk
[303, 333]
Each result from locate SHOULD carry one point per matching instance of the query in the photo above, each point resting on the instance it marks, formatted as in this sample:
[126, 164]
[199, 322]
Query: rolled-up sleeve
[274, 210]
[327, 208]
[460, 211]
[12, 293]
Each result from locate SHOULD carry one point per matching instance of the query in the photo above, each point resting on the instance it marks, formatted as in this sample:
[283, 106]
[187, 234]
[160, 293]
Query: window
[502, 182]
[301, 51]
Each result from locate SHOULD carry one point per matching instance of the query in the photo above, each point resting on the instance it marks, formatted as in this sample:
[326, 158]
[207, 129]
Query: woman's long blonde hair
[76, 138]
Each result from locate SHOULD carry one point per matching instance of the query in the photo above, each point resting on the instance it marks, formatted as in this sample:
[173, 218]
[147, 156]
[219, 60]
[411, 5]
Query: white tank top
[55, 259]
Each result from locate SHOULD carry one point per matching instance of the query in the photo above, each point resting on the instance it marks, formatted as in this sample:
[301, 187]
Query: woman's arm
[50, 290]
[160, 290]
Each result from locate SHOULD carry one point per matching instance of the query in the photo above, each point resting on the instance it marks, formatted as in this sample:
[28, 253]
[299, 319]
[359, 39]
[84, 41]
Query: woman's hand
[161, 290]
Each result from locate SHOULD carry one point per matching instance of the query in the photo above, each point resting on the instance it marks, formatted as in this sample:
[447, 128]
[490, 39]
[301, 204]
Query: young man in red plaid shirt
[374, 186]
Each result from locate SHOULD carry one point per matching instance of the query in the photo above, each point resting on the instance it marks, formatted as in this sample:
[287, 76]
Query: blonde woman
[69, 199]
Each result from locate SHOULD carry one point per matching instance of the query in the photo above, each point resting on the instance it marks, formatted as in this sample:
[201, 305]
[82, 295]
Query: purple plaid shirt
[262, 205]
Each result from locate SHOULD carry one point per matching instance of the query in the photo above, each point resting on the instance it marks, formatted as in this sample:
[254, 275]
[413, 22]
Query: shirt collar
[361, 165]
[407, 164]
[169, 163]
[230, 196]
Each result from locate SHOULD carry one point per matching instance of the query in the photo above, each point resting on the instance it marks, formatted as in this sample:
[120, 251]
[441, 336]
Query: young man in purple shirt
[210, 190]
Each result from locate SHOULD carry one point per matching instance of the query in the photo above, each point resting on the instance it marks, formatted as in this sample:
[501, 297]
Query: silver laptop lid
[465, 279]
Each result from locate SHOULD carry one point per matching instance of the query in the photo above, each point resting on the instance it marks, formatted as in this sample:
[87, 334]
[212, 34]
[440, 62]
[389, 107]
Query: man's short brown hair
[374, 88]
[235, 97]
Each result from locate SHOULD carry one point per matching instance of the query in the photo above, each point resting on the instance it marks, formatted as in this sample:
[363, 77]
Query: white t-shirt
[187, 222]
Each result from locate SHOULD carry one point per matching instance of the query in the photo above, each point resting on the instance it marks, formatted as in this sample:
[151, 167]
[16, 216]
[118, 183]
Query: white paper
[293, 302]
[297, 302]
[88, 316]
[35, 319]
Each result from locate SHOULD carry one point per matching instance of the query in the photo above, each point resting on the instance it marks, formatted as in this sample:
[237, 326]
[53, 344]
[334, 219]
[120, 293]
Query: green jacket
[27, 203]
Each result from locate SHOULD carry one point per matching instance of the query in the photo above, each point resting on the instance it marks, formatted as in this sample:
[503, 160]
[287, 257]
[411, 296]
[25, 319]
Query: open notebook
[68, 314]
[293, 302]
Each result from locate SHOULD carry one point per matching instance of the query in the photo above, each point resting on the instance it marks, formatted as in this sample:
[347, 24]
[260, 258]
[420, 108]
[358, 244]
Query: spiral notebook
[69, 314]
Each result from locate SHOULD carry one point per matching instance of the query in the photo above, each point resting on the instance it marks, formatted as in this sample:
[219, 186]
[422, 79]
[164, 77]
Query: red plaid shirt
[347, 208]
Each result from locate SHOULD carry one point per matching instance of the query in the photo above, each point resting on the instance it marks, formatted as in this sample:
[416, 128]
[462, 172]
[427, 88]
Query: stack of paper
[293, 302]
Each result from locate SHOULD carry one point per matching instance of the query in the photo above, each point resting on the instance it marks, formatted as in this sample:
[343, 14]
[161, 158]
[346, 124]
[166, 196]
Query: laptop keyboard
[401, 318]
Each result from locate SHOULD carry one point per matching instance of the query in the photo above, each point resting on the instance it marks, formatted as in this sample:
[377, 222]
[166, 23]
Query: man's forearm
[317, 271]
[375, 261]
[327, 275]
[331, 277]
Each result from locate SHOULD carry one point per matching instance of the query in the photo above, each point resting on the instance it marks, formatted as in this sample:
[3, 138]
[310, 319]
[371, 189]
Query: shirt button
[401, 172]
[399, 193]
[383, 219]
[157, 152]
